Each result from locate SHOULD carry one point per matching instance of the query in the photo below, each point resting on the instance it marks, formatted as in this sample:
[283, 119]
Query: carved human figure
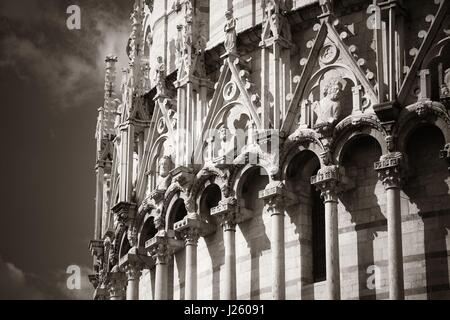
[223, 141]
[179, 45]
[230, 33]
[163, 180]
[329, 108]
[161, 76]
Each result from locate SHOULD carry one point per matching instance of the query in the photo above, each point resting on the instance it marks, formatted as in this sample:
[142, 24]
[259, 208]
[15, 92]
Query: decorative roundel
[161, 126]
[328, 54]
[230, 91]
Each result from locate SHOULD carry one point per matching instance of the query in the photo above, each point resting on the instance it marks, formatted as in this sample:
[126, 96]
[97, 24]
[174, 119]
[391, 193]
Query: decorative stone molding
[331, 180]
[162, 246]
[191, 229]
[134, 261]
[276, 197]
[228, 213]
[116, 284]
[391, 169]
[124, 211]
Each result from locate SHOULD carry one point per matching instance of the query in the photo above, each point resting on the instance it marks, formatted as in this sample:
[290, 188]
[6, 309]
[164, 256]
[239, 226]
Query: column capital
[276, 197]
[190, 229]
[391, 169]
[162, 246]
[117, 283]
[328, 181]
[132, 264]
[228, 213]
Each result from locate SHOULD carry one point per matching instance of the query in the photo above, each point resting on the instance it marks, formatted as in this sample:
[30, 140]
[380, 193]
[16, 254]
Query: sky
[51, 85]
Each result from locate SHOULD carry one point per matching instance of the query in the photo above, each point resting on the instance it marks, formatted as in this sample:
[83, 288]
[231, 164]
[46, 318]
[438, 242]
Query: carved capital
[124, 211]
[117, 284]
[331, 180]
[391, 169]
[190, 229]
[276, 197]
[162, 246]
[226, 213]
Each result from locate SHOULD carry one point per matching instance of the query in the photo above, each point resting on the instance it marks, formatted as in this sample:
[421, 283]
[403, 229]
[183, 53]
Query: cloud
[16, 284]
[67, 67]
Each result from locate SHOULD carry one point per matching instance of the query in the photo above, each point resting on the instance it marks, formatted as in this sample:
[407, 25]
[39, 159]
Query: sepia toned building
[276, 149]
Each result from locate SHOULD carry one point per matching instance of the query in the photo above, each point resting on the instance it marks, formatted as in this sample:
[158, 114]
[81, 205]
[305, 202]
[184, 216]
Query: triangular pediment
[234, 105]
[332, 84]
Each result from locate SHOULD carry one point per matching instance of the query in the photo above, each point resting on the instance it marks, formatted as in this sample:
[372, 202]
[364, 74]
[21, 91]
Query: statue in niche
[164, 167]
[230, 33]
[223, 141]
[161, 77]
[179, 45]
[329, 108]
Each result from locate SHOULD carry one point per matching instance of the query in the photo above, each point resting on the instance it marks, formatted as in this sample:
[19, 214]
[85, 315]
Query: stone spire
[106, 113]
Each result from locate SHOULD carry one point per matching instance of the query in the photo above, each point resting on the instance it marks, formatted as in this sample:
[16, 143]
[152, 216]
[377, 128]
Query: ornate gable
[332, 85]
[234, 105]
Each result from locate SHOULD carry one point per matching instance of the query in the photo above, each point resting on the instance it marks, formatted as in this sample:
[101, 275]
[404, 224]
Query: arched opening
[361, 215]
[428, 210]
[253, 232]
[148, 232]
[308, 217]
[177, 213]
[210, 198]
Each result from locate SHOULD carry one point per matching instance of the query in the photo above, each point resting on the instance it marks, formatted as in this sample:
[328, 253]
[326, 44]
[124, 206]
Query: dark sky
[51, 82]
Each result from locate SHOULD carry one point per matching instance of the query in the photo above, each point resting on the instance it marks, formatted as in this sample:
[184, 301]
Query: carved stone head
[333, 89]
[165, 165]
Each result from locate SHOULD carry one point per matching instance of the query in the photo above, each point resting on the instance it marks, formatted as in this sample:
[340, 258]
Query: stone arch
[307, 216]
[296, 147]
[347, 137]
[209, 198]
[427, 199]
[176, 211]
[241, 177]
[361, 209]
[147, 231]
[419, 114]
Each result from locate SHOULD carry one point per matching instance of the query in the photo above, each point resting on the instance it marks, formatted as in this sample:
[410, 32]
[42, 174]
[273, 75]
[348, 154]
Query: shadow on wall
[428, 190]
[214, 243]
[308, 217]
[363, 205]
[254, 230]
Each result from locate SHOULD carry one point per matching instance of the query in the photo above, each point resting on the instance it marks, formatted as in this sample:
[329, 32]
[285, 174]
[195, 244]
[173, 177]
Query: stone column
[190, 229]
[226, 215]
[191, 239]
[161, 248]
[133, 273]
[275, 197]
[326, 181]
[390, 172]
[161, 256]
[117, 283]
